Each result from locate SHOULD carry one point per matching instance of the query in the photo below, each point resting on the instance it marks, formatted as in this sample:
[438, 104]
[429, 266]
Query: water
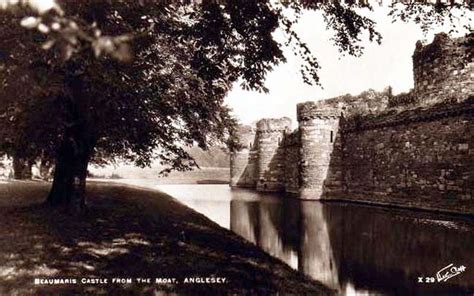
[356, 249]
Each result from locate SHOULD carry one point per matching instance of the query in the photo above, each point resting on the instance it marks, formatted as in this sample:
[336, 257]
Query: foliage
[430, 13]
[143, 78]
[402, 100]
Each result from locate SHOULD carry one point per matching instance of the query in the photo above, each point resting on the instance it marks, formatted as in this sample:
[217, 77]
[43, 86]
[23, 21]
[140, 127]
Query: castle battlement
[377, 148]
[246, 136]
[443, 69]
[270, 125]
[312, 110]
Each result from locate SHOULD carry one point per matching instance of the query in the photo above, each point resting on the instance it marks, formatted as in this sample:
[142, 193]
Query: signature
[448, 272]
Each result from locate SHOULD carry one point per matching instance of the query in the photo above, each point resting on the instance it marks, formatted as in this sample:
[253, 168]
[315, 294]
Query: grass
[205, 175]
[128, 232]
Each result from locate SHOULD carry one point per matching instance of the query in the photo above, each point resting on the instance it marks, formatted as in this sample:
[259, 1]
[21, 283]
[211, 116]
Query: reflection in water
[352, 248]
[247, 213]
[317, 258]
[213, 201]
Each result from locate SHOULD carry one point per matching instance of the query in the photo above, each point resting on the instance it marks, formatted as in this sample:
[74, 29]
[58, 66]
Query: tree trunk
[70, 172]
[21, 168]
[75, 151]
[45, 170]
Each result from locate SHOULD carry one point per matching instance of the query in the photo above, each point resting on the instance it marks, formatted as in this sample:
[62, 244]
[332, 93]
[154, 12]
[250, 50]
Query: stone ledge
[403, 204]
[408, 116]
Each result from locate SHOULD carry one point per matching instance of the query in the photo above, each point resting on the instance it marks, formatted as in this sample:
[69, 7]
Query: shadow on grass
[128, 233]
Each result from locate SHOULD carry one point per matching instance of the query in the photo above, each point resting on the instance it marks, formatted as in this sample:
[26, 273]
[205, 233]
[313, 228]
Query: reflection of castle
[295, 233]
[413, 149]
[353, 247]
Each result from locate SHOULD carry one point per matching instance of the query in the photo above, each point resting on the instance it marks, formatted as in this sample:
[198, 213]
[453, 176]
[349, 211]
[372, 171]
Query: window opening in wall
[332, 136]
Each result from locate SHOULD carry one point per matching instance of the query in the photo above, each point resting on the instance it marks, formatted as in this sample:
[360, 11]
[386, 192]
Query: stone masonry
[318, 129]
[271, 153]
[360, 149]
[444, 69]
[243, 161]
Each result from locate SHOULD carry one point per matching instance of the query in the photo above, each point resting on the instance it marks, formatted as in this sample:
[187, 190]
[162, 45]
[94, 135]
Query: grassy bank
[129, 233]
[205, 175]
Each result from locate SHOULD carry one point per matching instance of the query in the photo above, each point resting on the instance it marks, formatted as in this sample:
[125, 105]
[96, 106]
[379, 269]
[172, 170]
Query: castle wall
[271, 155]
[367, 102]
[243, 161]
[443, 69]
[419, 154]
[421, 159]
[292, 162]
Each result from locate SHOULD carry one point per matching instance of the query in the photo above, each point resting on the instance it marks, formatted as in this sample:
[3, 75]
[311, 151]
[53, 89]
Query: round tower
[318, 126]
[243, 159]
[271, 157]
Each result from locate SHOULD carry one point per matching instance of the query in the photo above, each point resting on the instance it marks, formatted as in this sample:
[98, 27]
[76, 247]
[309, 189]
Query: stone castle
[410, 150]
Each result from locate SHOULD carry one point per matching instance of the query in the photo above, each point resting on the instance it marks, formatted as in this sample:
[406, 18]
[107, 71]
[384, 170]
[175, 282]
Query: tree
[137, 80]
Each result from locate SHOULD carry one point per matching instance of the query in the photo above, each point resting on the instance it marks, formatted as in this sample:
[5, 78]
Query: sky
[387, 64]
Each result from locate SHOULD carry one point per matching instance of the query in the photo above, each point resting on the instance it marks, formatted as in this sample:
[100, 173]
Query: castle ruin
[411, 150]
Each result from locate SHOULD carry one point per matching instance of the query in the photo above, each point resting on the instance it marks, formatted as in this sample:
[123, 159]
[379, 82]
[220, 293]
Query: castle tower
[443, 70]
[243, 160]
[318, 126]
[270, 165]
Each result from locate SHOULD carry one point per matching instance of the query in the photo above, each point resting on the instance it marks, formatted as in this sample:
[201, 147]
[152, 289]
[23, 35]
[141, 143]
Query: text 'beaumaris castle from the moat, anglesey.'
[412, 150]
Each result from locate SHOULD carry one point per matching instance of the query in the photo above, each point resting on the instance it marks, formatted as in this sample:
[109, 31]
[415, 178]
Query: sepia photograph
[236, 147]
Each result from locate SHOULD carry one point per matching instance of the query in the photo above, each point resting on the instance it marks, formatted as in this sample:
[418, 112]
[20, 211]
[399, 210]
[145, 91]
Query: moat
[348, 247]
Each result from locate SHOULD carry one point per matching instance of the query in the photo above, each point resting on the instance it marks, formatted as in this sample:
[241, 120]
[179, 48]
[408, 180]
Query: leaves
[116, 47]
[455, 14]
[30, 22]
[146, 78]
[348, 26]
